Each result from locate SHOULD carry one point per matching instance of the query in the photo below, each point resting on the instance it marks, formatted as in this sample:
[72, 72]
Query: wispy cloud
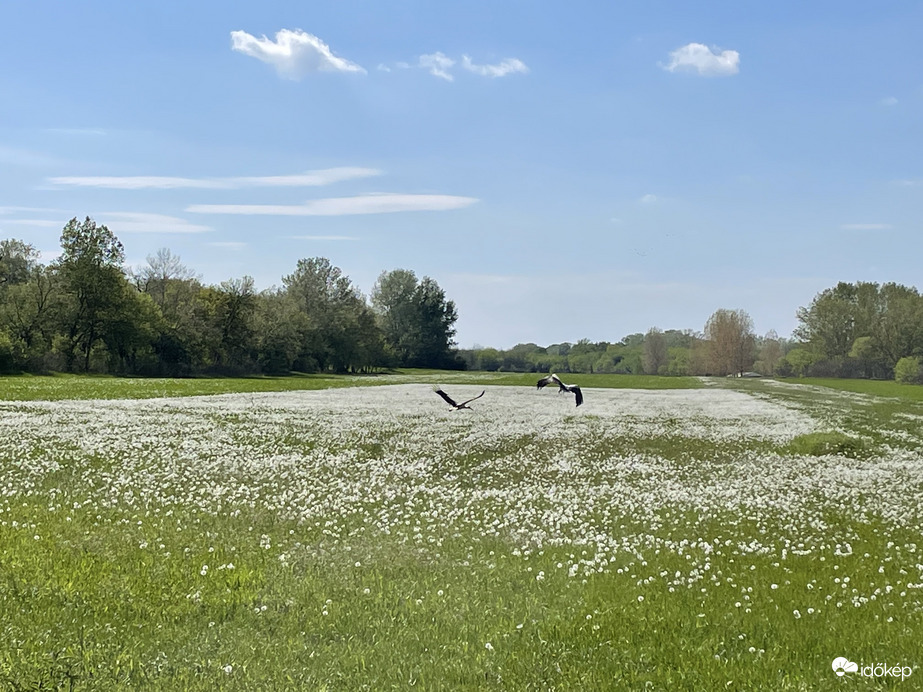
[31, 210]
[648, 199]
[889, 101]
[505, 67]
[294, 54]
[343, 206]
[865, 226]
[141, 182]
[76, 131]
[139, 222]
[322, 237]
[228, 244]
[438, 65]
[40, 223]
[697, 57]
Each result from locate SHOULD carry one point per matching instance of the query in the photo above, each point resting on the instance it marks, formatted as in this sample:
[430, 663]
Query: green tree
[339, 333]
[18, 261]
[908, 370]
[393, 303]
[416, 318]
[435, 327]
[92, 281]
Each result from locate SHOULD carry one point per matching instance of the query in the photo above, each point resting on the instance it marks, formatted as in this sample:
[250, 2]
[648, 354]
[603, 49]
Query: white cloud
[294, 54]
[697, 57]
[438, 65]
[648, 199]
[383, 68]
[343, 206]
[140, 182]
[865, 226]
[890, 101]
[507, 66]
[138, 222]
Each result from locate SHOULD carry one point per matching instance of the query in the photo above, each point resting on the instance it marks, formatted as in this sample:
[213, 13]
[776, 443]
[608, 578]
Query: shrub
[6, 353]
[908, 371]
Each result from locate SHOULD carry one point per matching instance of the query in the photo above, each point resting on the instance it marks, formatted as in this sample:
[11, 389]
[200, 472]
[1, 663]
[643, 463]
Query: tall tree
[90, 267]
[393, 304]
[435, 326]
[163, 269]
[731, 342]
[770, 353]
[18, 260]
[655, 354]
[417, 319]
[336, 335]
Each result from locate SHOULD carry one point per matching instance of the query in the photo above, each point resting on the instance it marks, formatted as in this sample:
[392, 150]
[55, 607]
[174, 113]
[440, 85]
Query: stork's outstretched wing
[576, 390]
[548, 380]
[472, 399]
[445, 396]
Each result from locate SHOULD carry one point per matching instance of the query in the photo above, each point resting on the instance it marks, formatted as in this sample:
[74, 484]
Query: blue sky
[563, 170]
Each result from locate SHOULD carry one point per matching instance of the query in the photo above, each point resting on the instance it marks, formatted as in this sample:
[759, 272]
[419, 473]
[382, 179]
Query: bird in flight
[451, 402]
[573, 388]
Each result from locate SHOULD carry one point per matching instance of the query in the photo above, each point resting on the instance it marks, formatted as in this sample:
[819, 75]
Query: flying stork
[574, 388]
[451, 402]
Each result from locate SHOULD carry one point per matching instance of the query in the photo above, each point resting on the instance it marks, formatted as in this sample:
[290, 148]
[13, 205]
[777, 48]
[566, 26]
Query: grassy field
[888, 388]
[741, 535]
[59, 387]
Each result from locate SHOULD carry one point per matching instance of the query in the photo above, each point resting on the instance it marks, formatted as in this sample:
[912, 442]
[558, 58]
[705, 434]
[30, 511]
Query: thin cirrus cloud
[322, 237]
[37, 223]
[294, 54]
[699, 58]
[139, 222]
[343, 206]
[141, 182]
[228, 244]
[865, 226]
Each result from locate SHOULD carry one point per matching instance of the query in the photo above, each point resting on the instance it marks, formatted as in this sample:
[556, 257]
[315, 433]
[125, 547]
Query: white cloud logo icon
[842, 665]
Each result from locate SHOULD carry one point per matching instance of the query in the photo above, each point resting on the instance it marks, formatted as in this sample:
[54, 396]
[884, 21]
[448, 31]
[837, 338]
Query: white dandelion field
[373, 538]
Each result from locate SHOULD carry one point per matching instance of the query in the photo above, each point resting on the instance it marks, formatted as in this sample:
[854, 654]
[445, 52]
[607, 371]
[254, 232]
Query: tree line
[84, 312]
[862, 330]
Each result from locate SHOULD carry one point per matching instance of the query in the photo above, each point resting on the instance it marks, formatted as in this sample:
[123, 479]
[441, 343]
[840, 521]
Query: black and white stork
[554, 379]
[451, 402]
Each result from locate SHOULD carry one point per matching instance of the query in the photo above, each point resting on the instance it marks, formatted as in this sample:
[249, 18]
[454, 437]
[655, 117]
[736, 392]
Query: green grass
[106, 591]
[64, 386]
[823, 443]
[888, 388]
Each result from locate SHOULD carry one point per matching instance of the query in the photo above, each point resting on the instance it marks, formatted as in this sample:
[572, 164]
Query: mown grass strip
[886, 388]
[58, 387]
